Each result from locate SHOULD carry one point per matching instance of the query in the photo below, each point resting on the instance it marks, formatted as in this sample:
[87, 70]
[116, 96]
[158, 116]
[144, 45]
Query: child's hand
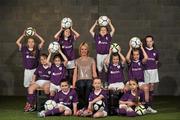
[110, 50]
[96, 22]
[119, 49]
[49, 51]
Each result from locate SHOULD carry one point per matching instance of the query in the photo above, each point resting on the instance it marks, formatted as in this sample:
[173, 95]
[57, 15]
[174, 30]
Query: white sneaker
[151, 110]
[41, 114]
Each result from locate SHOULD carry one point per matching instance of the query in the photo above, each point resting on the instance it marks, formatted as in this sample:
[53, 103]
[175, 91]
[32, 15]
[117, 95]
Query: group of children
[55, 78]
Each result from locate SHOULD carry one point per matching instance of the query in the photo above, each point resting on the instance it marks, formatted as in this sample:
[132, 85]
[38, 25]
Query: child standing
[131, 99]
[30, 54]
[151, 68]
[103, 41]
[66, 100]
[66, 38]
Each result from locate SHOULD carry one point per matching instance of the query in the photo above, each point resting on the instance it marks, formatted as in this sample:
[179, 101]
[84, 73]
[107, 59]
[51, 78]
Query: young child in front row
[97, 94]
[40, 79]
[58, 71]
[66, 100]
[131, 99]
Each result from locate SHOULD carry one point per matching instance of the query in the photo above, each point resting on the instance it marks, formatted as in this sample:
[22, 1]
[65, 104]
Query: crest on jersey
[106, 38]
[60, 68]
[139, 63]
[118, 66]
[49, 72]
[154, 54]
[70, 97]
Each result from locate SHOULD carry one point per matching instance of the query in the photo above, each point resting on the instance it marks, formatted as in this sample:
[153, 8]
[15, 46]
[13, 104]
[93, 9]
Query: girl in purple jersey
[115, 63]
[96, 95]
[66, 100]
[40, 79]
[66, 38]
[30, 54]
[151, 68]
[136, 69]
[103, 41]
[58, 71]
[131, 99]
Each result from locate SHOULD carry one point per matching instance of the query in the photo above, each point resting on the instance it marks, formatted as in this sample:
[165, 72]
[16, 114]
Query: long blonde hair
[86, 45]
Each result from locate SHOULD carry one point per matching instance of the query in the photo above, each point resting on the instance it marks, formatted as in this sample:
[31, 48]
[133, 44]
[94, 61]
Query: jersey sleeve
[125, 96]
[56, 98]
[90, 97]
[75, 97]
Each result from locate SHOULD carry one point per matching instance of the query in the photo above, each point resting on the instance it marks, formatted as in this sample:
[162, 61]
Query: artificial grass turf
[11, 108]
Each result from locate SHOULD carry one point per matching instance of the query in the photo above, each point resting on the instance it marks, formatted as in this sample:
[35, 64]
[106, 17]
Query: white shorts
[116, 86]
[100, 61]
[42, 82]
[28, 77]
[70, 64]
[139, 83]
[54, 87]
[64, 107]
[151, 76]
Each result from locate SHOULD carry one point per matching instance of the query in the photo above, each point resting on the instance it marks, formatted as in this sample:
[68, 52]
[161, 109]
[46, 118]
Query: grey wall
[161, 18]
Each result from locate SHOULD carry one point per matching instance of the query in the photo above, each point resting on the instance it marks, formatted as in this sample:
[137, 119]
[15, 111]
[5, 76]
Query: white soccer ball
[115, 47]
[99, 106]
[135, 42]
[66, 22]
[103, 21]
[54, 47]
[50, 104]
[29, 31]
[140, 110]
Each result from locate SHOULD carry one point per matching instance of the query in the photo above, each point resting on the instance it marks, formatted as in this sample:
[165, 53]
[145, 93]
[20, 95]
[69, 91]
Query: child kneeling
[66, 100]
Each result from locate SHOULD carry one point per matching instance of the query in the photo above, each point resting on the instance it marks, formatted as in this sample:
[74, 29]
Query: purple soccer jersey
[128, 96]
[66, 99]
[153, 56]
[94, 95]
[43, 73]
[30, 61]
[115, 73]
[57, 73]
[102, 43]
[136, 71]
[67, 47]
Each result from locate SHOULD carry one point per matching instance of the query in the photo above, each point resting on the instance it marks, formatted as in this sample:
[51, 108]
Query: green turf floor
[11, 108]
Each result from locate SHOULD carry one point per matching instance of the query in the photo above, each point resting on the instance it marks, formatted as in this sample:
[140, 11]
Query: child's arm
[129, 103]
[129, 54]
[64, 57]
[112, 28]
[75, 76]
[123, 59]
[56, 36]
[92, 29]
[107, 59]
[144, 54]
[18, 41]
[76, 34]
[94, 101]
[74, 108]
[41, 40]
[49, 58]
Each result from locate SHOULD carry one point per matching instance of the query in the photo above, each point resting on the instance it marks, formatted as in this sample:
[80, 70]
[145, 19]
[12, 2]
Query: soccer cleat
[41, 114]
[27, 106]
[151, 110]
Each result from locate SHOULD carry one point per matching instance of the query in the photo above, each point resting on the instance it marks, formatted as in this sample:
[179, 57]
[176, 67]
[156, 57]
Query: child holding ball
[103, 41]
[66, 37]
[30, 54]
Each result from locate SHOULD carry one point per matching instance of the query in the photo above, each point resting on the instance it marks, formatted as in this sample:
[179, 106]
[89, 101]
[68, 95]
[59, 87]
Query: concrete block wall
[160, 18]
